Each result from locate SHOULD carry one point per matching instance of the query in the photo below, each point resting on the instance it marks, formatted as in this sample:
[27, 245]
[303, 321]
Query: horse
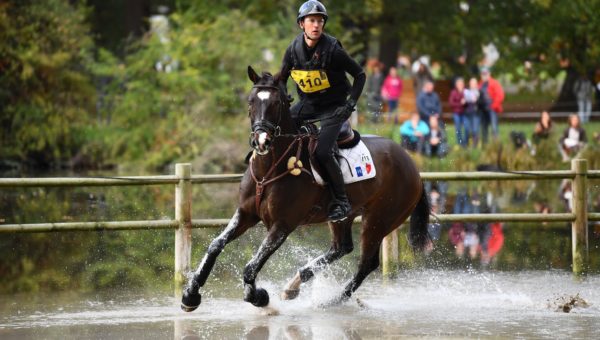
[277, 190]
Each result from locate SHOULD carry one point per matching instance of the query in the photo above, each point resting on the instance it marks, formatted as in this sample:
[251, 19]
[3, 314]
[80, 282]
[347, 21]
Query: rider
[318, 64]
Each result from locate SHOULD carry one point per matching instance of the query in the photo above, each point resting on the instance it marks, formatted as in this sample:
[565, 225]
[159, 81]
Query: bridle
[272, 130]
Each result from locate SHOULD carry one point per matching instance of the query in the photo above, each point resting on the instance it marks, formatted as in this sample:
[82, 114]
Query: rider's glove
[345, 111]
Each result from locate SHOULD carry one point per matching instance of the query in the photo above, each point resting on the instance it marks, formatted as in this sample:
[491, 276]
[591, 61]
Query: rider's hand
[345, 111]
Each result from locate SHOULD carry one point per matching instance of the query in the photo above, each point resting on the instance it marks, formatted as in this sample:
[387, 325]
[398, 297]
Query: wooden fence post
[389, 253]
[579, 227]
[183, 215]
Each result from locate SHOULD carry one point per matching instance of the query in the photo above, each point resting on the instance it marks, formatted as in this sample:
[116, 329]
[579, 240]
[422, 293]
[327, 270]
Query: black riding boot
[339, 208]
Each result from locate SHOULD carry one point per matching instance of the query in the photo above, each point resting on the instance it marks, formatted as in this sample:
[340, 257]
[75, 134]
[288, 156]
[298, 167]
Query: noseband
[272, 130]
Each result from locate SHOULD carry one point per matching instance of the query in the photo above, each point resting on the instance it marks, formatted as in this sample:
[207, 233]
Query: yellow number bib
[311, 81]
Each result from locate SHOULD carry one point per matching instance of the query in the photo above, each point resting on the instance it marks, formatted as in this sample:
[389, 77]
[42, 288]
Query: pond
[509, 279]
[417, 303]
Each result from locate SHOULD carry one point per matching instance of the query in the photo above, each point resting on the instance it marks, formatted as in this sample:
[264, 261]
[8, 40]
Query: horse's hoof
[189, 302]
[290, 294]
[330, 303]
[336, 301]
[261, 298]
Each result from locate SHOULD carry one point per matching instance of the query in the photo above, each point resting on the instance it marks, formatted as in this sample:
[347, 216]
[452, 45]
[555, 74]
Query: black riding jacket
[327, 85]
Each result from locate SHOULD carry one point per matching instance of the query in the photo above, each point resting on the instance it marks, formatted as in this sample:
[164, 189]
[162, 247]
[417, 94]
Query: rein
[260, 185]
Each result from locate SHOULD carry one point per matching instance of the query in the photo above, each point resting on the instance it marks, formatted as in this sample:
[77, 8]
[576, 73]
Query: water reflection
[101, 260]
[437, 192]
[271, 329]
[469, 239]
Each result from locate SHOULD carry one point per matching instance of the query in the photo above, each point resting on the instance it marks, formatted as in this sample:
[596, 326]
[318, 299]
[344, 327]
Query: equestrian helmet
[311, 7]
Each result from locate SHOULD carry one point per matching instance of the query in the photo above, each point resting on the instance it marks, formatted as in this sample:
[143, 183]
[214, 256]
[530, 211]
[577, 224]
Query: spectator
[584, 92]
[471, 240]
[492, 244]
[435, 70]
[413, 133]
[421, 74]
[491, 93]
[456, 236]
[543, 127]
[436, 143]
[471, 115]
[597, 82]
[374, 83]
[403, 66]
[392, 89]
[437, 198]
[428, 102]
[464, 235]
[566, 194]
[457, 105]
[542, 208]
[573, 138]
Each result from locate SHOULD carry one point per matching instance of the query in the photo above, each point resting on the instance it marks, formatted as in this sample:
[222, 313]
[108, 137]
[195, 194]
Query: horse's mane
[266, 78]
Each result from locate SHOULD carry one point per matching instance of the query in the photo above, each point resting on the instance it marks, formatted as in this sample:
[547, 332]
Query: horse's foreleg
[341, 244]
[258, 296]
[239, 223]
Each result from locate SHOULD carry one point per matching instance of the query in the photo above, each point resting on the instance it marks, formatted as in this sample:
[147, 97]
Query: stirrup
[339, 211]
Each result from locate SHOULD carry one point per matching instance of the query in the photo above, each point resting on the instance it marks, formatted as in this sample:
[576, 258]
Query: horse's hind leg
[371, 239]
[341, 244]
[239, 223]
[259, 297]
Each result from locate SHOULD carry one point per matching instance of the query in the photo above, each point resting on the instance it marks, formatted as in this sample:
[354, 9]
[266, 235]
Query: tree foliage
[168, 96]
[46, 94]
[57, 99]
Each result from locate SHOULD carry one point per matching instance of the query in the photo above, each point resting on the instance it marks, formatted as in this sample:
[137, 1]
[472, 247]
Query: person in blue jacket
[428, 103]
[414, 132]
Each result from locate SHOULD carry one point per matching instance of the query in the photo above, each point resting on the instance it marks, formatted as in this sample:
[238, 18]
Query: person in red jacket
[491, 98]
[392, 89]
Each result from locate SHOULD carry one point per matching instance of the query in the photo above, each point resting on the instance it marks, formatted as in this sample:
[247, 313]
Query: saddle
[348, 147]
[347, 139]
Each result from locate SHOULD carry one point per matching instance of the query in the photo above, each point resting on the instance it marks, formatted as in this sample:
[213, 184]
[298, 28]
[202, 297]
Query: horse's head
[268, 108]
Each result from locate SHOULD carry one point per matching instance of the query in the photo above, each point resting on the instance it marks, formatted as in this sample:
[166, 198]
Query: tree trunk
[389, 40]
[358, 45]
[137, 11]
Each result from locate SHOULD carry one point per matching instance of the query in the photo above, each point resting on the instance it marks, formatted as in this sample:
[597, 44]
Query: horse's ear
[252, 75]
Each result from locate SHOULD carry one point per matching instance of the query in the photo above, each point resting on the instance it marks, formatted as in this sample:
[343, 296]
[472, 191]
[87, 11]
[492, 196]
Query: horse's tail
[418, 235]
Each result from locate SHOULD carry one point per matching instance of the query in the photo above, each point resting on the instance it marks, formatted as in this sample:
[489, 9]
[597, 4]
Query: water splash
[429, 303]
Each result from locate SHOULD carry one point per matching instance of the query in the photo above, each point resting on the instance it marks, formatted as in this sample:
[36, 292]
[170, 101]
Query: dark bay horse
[271, 193]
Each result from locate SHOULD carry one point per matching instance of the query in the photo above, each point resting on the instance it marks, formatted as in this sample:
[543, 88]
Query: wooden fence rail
[183, 222]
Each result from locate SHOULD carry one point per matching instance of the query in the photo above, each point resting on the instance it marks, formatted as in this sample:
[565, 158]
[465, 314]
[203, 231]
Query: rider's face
[313, 26]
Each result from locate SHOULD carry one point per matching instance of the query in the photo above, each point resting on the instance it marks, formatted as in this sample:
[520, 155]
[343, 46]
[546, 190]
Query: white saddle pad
[356, 164]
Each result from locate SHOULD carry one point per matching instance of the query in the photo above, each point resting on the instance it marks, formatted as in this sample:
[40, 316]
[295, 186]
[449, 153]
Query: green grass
[547, 156]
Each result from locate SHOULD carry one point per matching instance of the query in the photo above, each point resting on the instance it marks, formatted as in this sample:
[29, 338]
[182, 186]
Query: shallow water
[430, 303]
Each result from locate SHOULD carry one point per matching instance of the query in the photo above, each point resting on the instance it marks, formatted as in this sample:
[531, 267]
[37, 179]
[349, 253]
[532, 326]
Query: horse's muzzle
[260, 141]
